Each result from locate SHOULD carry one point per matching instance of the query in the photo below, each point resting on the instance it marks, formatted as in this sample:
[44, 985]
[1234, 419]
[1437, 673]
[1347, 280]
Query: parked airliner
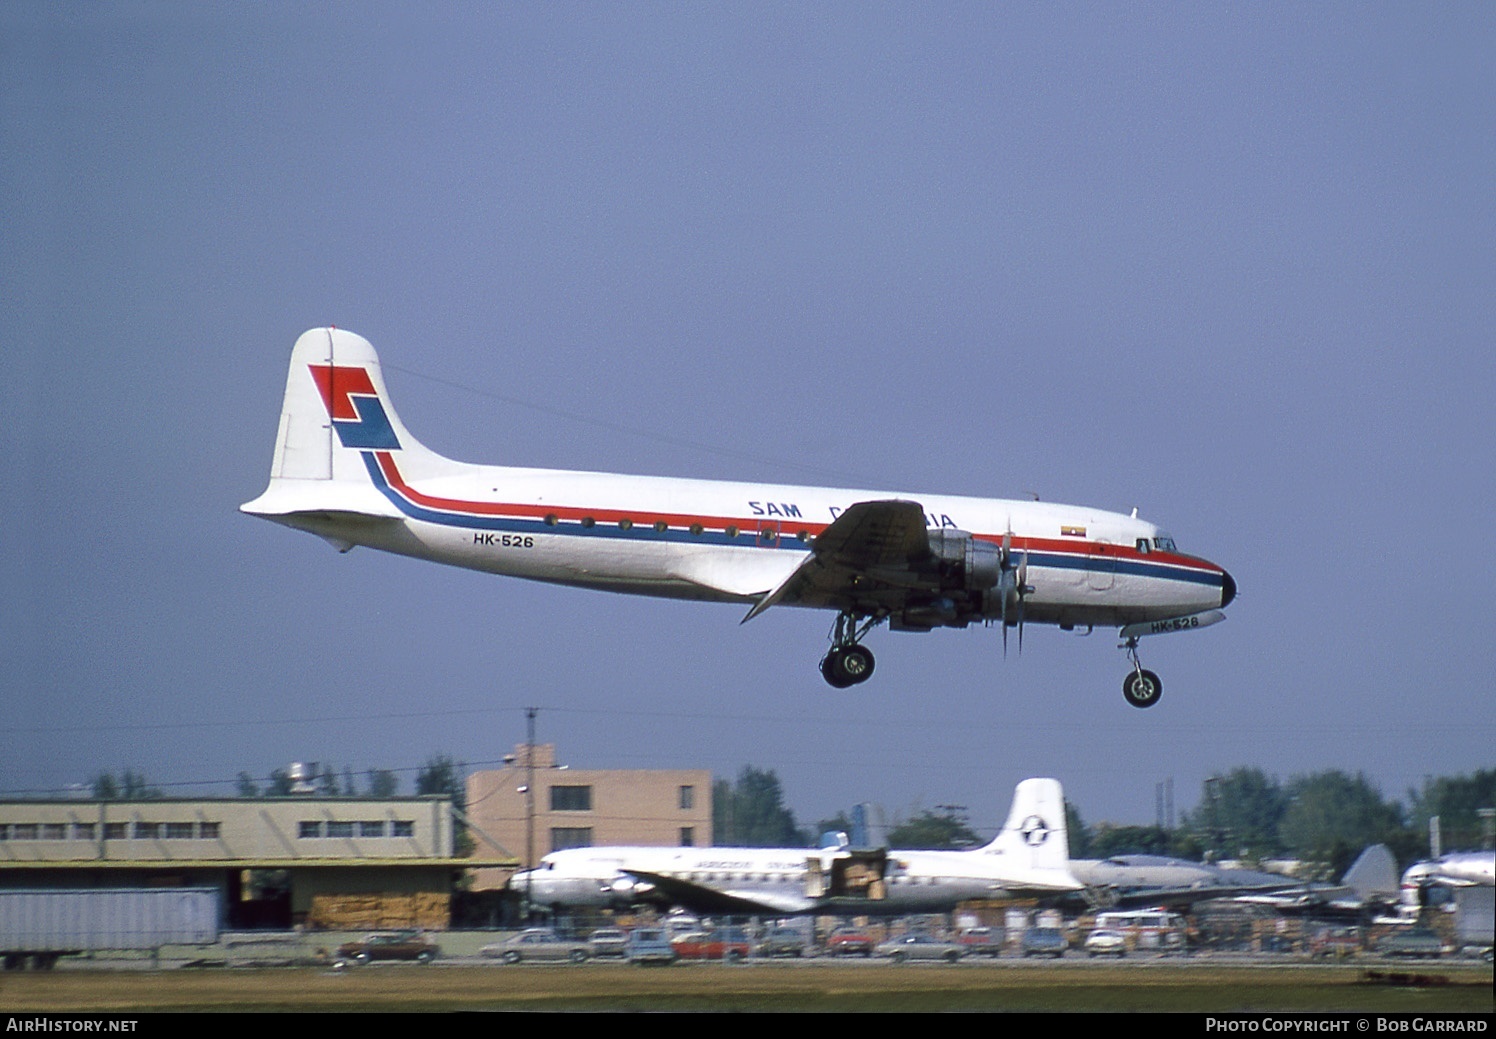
[1128, 881]
[1029, 857]
[345, 468]
[1455, 870]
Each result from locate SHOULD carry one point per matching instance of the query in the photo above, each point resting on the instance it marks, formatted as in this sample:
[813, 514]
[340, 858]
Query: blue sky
[1229, 264]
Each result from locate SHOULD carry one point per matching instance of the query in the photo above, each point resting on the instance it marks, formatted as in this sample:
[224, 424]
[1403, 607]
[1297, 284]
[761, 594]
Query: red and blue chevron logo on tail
[355, 409]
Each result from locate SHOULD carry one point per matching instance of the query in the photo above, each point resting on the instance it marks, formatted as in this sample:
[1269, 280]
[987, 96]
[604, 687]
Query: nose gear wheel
[1141, 687]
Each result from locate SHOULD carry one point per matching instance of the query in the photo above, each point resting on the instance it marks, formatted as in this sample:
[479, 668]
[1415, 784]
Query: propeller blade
[1002, 591]
[1023, 590]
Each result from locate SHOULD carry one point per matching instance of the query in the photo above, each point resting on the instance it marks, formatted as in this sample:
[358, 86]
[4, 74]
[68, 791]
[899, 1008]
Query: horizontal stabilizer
[286, 498]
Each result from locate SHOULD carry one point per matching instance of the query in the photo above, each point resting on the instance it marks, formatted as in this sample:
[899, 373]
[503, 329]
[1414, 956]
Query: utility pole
[530, 713]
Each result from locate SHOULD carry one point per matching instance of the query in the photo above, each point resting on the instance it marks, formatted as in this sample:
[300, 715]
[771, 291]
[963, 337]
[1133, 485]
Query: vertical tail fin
[1374, 873]
[336, 418]
[1035, 833]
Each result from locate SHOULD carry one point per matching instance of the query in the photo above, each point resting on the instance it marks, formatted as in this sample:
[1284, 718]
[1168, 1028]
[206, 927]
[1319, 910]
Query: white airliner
[1029, 857]
[346, 469]
[1455, 870]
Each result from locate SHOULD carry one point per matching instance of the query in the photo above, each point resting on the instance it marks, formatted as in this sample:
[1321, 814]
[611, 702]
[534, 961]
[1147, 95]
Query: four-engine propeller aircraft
[1134, 881]
[1029, 857]
[346, 469]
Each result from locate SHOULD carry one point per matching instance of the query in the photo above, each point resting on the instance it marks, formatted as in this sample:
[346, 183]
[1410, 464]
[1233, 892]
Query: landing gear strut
[1141, 688]
[848, 663]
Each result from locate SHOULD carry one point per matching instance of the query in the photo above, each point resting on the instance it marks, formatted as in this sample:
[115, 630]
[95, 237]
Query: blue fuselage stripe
[748, 537]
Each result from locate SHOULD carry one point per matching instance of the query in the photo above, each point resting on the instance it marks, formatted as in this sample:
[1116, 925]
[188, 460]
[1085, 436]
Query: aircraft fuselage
[345, 468]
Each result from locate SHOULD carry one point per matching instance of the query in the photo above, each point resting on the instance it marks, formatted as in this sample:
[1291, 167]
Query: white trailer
[38, 925]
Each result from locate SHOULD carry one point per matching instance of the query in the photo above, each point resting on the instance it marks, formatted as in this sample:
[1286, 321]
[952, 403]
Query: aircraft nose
[1228, 588]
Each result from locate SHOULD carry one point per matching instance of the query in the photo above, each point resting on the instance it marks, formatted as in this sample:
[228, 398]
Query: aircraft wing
[1180, 898]
[870, 557]
[707, 900]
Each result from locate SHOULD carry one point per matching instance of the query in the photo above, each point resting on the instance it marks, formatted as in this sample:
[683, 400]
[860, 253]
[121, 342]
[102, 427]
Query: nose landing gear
[1141, 688]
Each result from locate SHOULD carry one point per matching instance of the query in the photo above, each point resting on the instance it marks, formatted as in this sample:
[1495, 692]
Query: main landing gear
[1141, 688]
[848, 662]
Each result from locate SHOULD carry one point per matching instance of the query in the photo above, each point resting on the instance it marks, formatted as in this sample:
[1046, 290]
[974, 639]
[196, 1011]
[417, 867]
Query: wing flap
[871, 547]
[702, 899]
[875, 534]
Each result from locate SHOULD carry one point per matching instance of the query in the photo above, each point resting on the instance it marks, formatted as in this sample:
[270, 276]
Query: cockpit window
[1143, 545]
[1164, 543]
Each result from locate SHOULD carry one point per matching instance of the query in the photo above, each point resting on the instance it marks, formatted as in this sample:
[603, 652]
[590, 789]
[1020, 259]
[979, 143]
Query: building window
[402, 828]
[688, 836]
[54, 831]
[114, 831]
[180, 831]
[688, 797]
[571, 799]
[309, 828]
[147, 831]
[371, 828]
[23, 832]
[339, 829]
[84, 831]
[563, 837]
[208, 831]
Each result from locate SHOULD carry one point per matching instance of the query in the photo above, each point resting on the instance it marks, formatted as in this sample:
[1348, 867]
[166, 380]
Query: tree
[943, 829]
[751, 813]
[247, 787]
[442, 775]
[1239, 814]
[327, 783]
[130, 786]
[1079, 834]
[1332, 816]
[1456, 800]
[1108, 840]
[383, 783]
[280, 783]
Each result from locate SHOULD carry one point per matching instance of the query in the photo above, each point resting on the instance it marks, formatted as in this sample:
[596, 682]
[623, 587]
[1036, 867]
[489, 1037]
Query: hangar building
[277, 861]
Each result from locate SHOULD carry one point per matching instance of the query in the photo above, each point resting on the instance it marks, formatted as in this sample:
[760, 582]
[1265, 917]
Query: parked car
[1044, 941]
[1106, 942]
[538, 944]
[649, 946]
[782, 941]
[730, 944]
[919, 946]
[1419, 941]
[981, 941]
[1335, 942]
[389, 945]
[849, 941]
[608, 941]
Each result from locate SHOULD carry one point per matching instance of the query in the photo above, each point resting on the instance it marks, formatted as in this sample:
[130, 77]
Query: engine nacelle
[937, 613]
[966, 564]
